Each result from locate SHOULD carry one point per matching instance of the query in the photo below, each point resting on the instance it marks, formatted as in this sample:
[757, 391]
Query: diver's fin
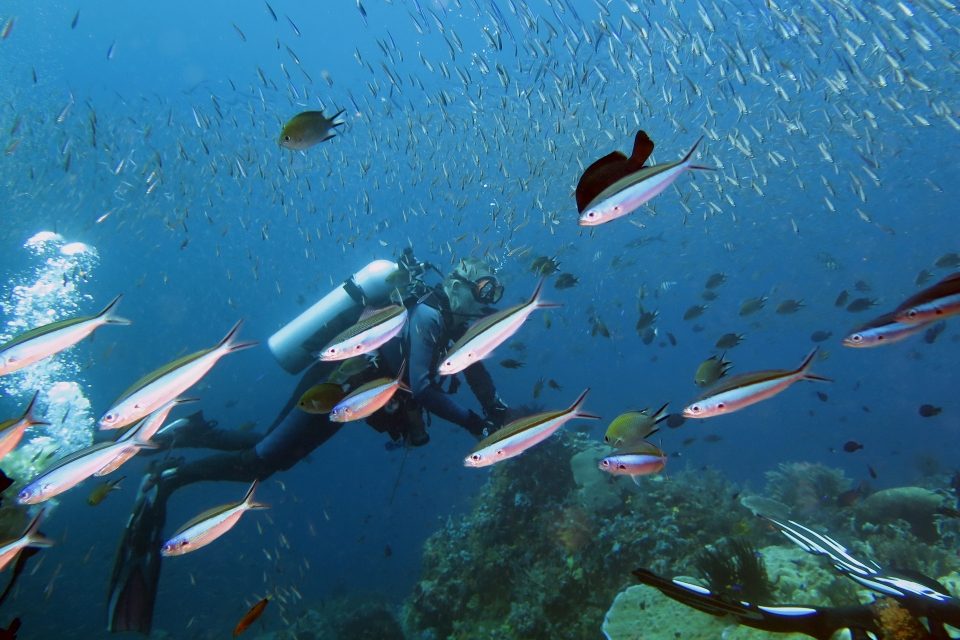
[136, 569]
[818, 622]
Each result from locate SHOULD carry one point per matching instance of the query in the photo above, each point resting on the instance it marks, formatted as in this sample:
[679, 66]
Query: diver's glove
[478, 427]
[496, 413]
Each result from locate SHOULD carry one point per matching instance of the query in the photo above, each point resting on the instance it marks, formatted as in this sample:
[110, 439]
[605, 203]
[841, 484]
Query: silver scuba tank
[294, 345]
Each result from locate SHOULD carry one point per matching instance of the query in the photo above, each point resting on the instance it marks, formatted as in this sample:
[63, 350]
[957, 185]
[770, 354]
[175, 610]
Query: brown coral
[897, 623]
[572, 528]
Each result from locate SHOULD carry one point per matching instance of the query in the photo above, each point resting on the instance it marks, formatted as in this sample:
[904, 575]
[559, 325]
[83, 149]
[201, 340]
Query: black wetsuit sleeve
[481, 384]
[425, 329]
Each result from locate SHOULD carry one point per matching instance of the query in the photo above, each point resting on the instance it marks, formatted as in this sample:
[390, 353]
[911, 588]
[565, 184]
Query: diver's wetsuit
[295, 434]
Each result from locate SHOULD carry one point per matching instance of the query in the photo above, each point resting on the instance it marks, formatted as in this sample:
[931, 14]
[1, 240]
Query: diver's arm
[426, 327]
[481, 384]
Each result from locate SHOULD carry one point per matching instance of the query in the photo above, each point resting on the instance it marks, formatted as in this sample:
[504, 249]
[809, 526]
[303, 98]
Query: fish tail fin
[400, 383]
[575, 407]
[804, 369]
[540, 304]
[107, 313]
[661, 414]
[336, 120]
[230, 343]
[32, 535]
[28, 416]
[248, 499]
[688, 159]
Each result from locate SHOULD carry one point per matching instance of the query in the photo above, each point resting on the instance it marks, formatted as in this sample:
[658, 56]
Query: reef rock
[914, 505]
[596, 492]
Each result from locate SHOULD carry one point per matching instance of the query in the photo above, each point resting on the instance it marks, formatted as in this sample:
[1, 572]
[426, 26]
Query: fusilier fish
[30, 538]
[633, 427]
[615, 185]
[746, 389]
[163, 385]
[940, 301]
[150, 425]
[12, 430]
[488, 333]
[640, 460]
[882, 330]
[309, 128]
[518, 436]
[368, 398]
[375, 328]
[42, 342]
[95, 460]
[209, 525]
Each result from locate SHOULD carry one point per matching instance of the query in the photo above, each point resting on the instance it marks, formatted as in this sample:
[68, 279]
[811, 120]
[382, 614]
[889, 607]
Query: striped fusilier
[43, 342]
[163, 385]
[488, 333]
[30, 538]
[629, 193]
[209, 525]
[368, 398]
[639, 460]
[97, 460]
[942, 300]
[374, 329]
[518, 436]
[746, 389]
[12, 430]
[883, 330]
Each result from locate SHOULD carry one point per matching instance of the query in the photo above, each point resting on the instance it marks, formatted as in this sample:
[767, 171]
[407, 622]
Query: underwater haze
[142, 157]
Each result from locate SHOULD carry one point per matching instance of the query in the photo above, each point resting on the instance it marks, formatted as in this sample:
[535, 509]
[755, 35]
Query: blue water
[170, 58]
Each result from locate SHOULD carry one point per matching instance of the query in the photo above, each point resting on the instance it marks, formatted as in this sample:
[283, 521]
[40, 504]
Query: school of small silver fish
[494, 128]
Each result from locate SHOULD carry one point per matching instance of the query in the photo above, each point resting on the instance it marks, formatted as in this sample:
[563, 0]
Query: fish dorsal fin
[642, 150]
[209, 513]
[370, 311]
[598, 176]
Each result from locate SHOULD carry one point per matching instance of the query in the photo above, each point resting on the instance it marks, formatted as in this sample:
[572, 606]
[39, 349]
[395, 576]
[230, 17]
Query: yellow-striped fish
[209, 525]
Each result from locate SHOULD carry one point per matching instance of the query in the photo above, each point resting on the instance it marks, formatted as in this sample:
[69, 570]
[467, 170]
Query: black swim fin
[819, 622]
[136, 569]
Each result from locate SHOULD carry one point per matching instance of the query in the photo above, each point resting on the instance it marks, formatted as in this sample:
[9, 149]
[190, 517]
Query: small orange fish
[251, 616]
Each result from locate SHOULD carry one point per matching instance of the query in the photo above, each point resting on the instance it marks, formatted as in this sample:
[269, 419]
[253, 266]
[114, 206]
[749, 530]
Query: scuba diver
[438, 316]
[913, 605]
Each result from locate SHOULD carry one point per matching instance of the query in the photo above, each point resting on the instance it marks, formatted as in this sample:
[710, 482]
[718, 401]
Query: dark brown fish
[713, 438]
[694, 312]
[251, 616]
[923, 277]
[948, 261]
[852, 446]
[510, 363]
[862, 286]
[849, 498]
[789, 306]
[716, 280]
[928, 411]
[610, 168]
[648, 335]
[709, 295]
[729, 340]
[861, 304]
[842, 298]
[933, 332]
[675, 420]
[821, 336]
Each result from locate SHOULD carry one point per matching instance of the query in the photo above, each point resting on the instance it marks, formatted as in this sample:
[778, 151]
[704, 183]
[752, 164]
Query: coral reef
[550, 544]
[360, 616]
[738, 570]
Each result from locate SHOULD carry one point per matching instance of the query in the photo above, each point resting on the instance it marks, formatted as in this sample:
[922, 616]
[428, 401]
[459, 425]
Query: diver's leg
[136, 569]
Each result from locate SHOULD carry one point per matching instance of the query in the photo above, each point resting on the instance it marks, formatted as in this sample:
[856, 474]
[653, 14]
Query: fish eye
[475, 457]
[286, 138]
[912, 313]
[859, 338]
[604, 463]
[592, 214]
[696, 408]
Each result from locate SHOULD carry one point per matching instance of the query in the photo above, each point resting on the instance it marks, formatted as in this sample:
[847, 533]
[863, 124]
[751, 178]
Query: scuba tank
[295, 344]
